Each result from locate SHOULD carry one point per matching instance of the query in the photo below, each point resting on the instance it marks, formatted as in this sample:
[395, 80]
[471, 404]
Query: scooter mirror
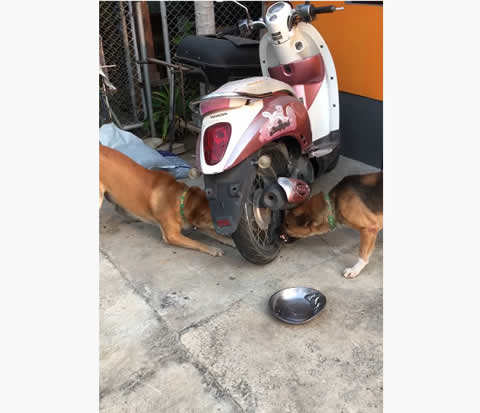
[244, 27]
[244, 7]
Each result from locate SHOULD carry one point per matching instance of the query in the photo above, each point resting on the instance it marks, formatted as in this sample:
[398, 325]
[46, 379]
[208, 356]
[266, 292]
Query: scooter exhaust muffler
[285, 193]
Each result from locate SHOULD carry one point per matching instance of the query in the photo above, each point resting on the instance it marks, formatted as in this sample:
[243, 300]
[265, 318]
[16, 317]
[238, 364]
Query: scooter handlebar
[307, 12]
[324, 9]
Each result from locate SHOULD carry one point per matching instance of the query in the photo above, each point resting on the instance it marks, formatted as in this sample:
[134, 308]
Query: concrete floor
[182, 331]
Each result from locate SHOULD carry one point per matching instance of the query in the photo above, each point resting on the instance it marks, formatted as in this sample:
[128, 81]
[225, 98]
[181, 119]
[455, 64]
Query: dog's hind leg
[368, 236]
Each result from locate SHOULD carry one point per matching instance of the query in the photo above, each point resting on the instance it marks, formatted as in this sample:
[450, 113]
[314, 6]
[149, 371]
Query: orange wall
[355, 39]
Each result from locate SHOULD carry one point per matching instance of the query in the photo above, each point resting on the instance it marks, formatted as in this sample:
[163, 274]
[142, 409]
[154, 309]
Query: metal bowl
[296, 305]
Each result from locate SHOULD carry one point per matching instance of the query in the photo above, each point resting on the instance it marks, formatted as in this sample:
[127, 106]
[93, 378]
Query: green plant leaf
[165, 127]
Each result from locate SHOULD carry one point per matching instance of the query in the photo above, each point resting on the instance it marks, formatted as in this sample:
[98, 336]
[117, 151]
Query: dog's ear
[197, 206]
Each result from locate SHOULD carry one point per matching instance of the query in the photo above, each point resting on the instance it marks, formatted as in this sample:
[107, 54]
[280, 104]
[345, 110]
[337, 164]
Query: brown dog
[357, 201]
[155, 197]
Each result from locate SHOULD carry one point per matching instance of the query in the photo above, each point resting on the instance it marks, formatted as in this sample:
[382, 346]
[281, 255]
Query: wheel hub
[263, 216]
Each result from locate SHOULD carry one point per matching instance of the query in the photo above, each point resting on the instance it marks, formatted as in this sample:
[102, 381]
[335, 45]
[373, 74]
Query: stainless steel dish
[297, 305]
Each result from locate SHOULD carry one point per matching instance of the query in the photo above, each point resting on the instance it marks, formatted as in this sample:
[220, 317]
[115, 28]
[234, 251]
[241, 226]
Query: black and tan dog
[157, 198]
[357, 201]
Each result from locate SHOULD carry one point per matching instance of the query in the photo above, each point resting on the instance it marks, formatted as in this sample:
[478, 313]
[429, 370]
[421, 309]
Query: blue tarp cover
[133, 147]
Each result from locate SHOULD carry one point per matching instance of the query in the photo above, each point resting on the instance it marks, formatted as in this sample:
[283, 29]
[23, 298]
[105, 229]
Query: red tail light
[215, 142]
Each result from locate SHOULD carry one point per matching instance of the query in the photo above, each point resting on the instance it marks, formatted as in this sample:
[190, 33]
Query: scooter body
[264, 110]
[260, 136]
[305, 63]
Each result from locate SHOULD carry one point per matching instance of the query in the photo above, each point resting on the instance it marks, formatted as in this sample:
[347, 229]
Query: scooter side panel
[281, 115]
[321, 105]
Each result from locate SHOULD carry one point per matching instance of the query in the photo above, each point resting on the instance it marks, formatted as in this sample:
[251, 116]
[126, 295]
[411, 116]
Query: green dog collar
[182, 200]
[331, 216]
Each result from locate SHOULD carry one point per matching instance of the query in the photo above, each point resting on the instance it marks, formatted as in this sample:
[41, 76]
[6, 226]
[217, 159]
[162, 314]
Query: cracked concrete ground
[182, 331]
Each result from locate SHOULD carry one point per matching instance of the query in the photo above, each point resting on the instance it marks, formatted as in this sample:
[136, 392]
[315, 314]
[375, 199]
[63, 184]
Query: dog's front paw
[350, 273]
[355, 270]
[228, 241]
[215, 252]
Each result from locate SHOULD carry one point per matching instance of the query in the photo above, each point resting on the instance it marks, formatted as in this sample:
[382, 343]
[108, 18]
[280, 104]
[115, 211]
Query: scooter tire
[244, 238]
[247, 245]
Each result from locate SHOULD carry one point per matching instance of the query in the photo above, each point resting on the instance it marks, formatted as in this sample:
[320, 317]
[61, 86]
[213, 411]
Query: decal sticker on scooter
[278, 121]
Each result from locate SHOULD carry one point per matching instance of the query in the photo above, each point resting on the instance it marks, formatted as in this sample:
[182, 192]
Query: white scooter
[264, 139]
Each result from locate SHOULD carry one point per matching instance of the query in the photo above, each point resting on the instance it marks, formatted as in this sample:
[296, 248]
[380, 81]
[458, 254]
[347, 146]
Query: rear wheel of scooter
[257, 236]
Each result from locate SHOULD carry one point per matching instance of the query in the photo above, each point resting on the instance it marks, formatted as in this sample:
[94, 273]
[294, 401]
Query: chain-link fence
[228, 14]
[181, 23]
[117, 31]
[181, 18]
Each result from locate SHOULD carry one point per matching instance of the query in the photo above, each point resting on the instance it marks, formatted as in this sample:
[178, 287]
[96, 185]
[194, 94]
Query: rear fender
[227, 192]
